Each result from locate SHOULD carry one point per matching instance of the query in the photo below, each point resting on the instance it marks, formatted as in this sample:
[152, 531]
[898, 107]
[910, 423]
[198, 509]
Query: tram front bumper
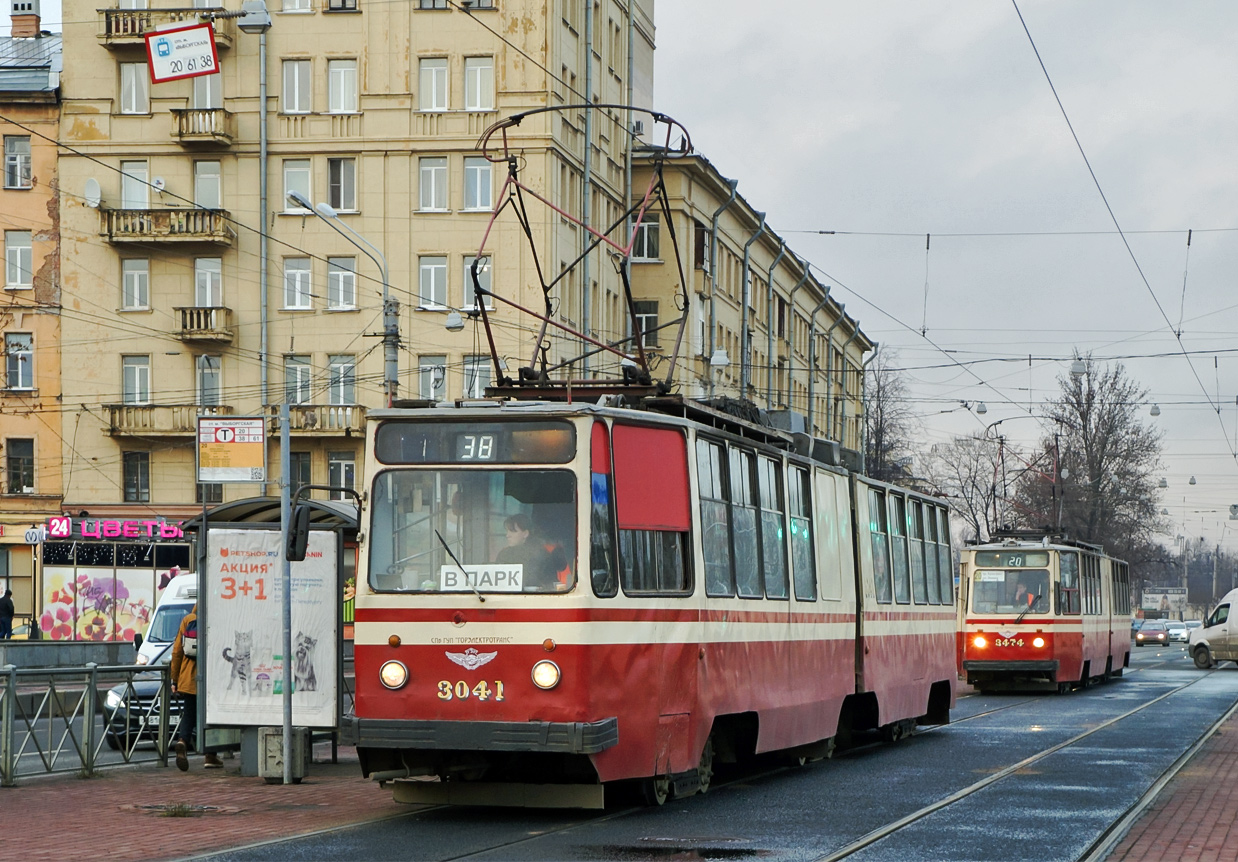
[1013, 666]
[557, 737]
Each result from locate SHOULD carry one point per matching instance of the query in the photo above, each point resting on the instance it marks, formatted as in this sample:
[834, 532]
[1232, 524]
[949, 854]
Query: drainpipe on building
[812, 351]
[263, 359]
[769, 326]
[631, 131]
[864, 408]
[745, 334]
[586, 309]
[791, 330]
[713, 267]
[830, 414]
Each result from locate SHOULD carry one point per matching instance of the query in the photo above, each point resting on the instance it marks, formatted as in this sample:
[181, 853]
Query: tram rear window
[1012, 559]
[475, 443]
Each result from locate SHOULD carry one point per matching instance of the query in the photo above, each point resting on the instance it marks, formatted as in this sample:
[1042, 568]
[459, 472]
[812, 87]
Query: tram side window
[945, 571]
[898, 549]
[915, 551]
[1068, 601]
[1121, 588]
[930, 552]
[603, 567]
[744, 526]
[652, 509]
[800, 499]
[773, 533]
[1091, 574]
[715, 518]
[877, 527]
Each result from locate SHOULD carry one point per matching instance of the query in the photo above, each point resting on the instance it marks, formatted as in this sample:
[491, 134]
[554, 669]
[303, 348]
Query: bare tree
[889, 425]
[971, 472]
[1100, 484]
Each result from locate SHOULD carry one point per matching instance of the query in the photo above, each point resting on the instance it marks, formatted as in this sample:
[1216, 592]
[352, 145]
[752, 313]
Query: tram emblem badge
[1007, 633]
[471, 659]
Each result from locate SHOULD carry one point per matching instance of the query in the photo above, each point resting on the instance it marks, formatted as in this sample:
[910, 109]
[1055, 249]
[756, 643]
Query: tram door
[653, 516]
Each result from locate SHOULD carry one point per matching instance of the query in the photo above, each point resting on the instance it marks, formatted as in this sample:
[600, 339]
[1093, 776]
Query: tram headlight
[393, 674]
[1038, 642]
[980, 641]
[545, 674]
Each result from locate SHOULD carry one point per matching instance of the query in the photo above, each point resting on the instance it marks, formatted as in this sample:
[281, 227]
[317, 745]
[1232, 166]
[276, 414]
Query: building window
[434, 184]
[297, 379]
[135, 379]
[18, 258]
[645, 242]
[137, 477]
[297, 6]
[341, 472]
[210, 492]
[647, 320]
[297, 283]
[134, 88]
[208, 381]
[341, 5]
[17, 162]
[207, 185]
[134, 186]
[479, 83]
[208, 282]
[432, 377]
[342, 184]
[431, 4]
[299, 470]
[298, 93]
[19, 465]
[342, 283]
[208, 92]
[476, 184]
[432, 292]
[135, 284]
[476, 376]
[483, 281]
[18, 360]
[433, 83]
[296, 179]
[341, 380]
[342, 86]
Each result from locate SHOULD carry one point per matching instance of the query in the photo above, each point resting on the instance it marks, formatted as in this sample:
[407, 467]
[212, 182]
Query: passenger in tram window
[530, 553]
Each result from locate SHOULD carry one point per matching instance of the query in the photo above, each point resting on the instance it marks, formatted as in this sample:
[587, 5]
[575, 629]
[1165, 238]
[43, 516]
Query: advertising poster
[1165, 599]
[243, 647]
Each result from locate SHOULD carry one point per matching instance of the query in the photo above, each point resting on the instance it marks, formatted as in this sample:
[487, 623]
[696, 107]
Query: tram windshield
[1009, 591]
[508, 531]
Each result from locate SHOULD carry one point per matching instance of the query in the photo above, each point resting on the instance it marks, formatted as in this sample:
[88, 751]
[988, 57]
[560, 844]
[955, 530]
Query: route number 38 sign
[182, 52]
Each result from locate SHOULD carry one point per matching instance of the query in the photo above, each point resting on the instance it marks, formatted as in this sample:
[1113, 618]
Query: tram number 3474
[1008, 642]
[461, 691]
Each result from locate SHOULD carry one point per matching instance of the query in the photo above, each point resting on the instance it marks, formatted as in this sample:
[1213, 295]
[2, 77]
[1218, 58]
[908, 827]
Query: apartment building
[196, 284]
[30, 407]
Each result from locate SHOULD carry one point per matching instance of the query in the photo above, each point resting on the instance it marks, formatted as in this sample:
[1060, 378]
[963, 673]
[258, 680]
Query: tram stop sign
[181, 52]
[232, 449]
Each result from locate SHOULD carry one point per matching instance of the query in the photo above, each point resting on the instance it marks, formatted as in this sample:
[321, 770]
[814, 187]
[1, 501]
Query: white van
[1217, 639]
[176, 602]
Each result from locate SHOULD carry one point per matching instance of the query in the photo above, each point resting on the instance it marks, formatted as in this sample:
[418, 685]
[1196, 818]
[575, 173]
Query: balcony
[322, 419]
[205, 323]
[123, 28]
[167, 225]
[203, 126]
[158, 419]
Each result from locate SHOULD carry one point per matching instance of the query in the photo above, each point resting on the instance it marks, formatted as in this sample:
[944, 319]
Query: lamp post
[391, 307]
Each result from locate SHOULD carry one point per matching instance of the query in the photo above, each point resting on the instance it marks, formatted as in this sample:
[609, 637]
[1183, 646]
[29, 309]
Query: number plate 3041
[448, 690]
[1008, 642]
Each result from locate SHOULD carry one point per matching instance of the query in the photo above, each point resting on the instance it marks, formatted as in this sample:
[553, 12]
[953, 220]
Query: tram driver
[539, 559]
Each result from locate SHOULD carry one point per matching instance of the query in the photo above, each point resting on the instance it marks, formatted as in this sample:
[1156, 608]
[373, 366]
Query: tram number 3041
[447, 690]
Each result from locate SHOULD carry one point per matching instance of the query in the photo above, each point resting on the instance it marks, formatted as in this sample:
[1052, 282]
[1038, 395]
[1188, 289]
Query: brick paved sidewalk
[122, 814]
[1195, 816]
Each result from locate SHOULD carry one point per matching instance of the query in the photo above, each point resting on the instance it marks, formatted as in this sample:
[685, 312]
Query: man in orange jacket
[184, 677]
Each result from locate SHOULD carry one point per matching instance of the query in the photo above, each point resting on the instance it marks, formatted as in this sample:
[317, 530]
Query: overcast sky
[892, 120]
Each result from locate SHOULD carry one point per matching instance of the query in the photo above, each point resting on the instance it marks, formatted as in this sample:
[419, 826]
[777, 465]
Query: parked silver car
[1178, 632]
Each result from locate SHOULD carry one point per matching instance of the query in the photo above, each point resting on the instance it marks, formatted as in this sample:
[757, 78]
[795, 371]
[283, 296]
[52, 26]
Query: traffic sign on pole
[182, 52]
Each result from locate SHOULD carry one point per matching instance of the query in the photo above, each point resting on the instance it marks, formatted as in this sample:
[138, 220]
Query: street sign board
[232, 449]
[182, 52]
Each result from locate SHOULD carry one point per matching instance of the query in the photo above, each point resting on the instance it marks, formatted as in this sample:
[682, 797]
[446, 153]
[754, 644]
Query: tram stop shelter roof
[265, 510]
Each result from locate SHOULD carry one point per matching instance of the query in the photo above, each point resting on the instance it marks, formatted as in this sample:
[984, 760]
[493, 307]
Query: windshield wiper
[1020, 617]
[467, 579]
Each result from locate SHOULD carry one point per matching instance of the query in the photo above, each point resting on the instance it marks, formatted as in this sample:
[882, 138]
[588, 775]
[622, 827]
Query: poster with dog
[243, 649]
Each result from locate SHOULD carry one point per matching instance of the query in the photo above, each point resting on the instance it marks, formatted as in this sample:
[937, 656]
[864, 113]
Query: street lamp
[391, 307]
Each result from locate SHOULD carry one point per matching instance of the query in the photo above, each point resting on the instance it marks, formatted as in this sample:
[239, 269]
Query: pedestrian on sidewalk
[6, 615]
[184, 677]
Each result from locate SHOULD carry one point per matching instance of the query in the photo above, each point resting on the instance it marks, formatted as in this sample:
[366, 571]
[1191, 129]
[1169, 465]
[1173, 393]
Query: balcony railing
[152, 419]
[346, 419]
[205, 323]
[203, 126]
[168, 225]
[120, 28]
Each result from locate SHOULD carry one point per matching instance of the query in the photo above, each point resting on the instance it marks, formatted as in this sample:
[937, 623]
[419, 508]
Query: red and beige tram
[1040, 611]
[553, 599]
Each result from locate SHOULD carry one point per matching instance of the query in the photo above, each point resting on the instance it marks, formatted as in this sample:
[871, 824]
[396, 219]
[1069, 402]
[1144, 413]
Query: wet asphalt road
[1052, 808]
